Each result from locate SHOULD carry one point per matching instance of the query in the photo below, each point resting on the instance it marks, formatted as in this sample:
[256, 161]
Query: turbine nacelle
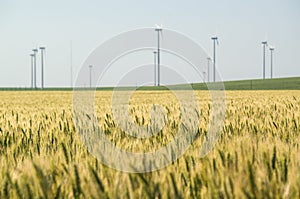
[215, 38]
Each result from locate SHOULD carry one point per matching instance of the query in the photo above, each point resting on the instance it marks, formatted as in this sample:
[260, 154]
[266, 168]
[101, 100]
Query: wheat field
[256, 156]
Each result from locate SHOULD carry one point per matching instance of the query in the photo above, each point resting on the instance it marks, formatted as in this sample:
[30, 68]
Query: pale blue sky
[240, 25]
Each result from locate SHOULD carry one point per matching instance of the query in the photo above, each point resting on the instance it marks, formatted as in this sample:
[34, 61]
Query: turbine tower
[154, 52]
[32, 58]
[208, 66]
[90, 67]
[264, 43]
[215, 40]
[34, 68]
[271, 51]
[159, 30]
[42, 66]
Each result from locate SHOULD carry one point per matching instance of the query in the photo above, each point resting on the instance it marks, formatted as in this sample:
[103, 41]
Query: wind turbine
[32, 57]
[34, 73]
[42, 66]
[271, 50]
[265, 44]
[90, 67]
[208, 66]
[204, 73]
[154, 52]
[215, 40]
[159, 30]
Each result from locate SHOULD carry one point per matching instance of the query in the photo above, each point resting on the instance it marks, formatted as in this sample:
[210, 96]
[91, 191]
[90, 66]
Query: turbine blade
[216, 34]
[266, 36]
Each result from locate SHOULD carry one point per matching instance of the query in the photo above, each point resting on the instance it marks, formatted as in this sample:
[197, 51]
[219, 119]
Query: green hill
[291, 83]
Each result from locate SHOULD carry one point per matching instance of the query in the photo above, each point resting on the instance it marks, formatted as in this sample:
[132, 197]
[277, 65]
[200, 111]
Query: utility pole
[71, 64]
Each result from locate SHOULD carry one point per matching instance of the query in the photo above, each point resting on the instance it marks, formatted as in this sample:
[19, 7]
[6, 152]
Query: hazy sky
[240, 26]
